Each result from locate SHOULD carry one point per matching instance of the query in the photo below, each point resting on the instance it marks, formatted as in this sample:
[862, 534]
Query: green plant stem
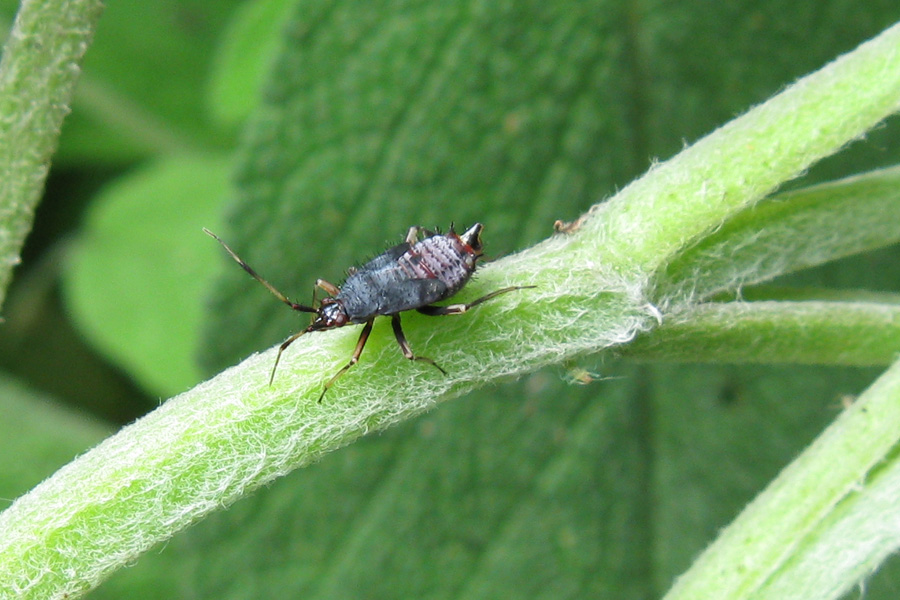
[833, 220]
[119, 112]
[657, 216]
[38, 72]
[848, 544]
[828, 488]
[208, 447]
[812, 332]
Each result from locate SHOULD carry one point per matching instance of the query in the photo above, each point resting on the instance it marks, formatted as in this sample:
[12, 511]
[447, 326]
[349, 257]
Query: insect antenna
[256, 276]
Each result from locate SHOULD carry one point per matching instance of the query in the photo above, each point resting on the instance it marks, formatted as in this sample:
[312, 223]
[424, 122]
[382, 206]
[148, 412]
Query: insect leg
[404, 345]
[458, 309]
[281, 349]
[412, 236]
[330, 288]
[360, 344]
[249, 269]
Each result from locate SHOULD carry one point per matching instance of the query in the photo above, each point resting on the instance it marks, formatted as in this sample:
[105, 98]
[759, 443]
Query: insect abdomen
[441, 257]
[407, 276]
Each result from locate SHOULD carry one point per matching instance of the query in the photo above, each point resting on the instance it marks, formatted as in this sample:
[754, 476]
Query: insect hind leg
[458, 309]
[404, 345]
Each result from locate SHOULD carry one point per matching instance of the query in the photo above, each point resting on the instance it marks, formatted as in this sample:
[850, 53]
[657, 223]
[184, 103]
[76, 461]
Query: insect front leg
[360, 344]
[458, 309]
[281, 349]
[404, 345]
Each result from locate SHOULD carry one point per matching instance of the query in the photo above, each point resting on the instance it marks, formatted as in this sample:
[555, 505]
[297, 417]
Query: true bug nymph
[409, 276]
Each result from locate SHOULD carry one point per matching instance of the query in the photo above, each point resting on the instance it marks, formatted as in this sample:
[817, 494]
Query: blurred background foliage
[311, 135]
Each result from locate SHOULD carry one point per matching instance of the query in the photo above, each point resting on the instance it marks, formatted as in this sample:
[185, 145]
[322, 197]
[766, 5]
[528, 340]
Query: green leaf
[245, 53]
[143, 87]
[823, 503]
[324, 203]
[139, 271]
[379, 118]
[701, 188]
[650, 486]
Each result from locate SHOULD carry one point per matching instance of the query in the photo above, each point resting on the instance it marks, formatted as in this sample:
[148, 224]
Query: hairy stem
[656, 217]
[38, 72]
[206, 448]
[812, 332]
[844, 471]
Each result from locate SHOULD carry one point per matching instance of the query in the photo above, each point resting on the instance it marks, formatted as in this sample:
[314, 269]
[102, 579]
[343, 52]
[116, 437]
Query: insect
[426, 268]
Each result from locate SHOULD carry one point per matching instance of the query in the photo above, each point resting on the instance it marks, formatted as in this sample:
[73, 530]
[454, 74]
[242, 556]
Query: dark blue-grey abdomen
[407, 277]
